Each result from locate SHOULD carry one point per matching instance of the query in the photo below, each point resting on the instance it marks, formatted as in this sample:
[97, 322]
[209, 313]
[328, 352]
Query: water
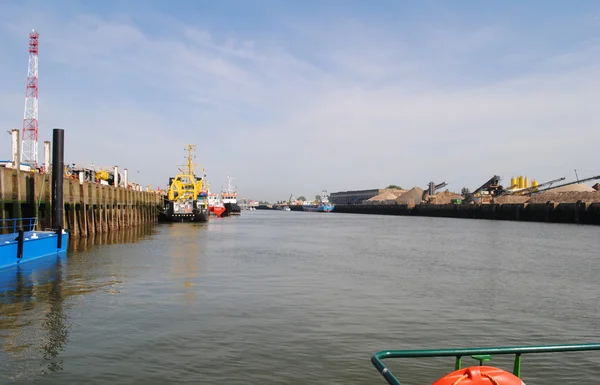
[301, 298]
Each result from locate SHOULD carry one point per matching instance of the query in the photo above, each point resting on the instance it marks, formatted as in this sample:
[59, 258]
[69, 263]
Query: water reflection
[186, 252]
[35, 306]
[271, 294]
[55, 323]
[31, 304]
[129, 235]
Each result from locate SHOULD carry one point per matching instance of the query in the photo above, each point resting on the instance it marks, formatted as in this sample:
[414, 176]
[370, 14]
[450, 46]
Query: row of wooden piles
[89, 208]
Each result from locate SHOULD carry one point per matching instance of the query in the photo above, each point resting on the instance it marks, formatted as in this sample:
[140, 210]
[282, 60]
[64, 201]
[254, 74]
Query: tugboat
[215, 206]
[229, 199]
[187, 199]
[213, 200]
[323, 206]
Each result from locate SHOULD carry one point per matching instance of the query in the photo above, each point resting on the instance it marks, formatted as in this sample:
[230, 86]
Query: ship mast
[190, 163]
[229, 188]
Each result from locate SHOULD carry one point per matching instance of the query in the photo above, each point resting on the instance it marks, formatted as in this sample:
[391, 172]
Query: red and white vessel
[215, 205]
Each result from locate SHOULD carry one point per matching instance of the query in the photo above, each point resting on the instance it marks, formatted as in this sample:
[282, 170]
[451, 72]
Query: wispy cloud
[347, 104]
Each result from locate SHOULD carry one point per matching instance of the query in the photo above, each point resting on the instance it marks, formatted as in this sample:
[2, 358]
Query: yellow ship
[187, 197]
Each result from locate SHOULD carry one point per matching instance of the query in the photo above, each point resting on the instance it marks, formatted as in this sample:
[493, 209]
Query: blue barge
[20, 241]
[23, 243]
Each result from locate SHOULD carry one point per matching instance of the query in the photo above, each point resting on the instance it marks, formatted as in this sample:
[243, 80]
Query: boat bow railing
[8, 226]
[479, 354]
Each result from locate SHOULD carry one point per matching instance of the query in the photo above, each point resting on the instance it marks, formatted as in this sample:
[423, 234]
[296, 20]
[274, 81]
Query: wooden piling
[48, 201]
[83, 228]
[90, 208]
[16, 195]
[105, 203]
[91, 212]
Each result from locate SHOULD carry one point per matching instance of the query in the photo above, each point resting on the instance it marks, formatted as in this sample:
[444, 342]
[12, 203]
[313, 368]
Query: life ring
[479, 375]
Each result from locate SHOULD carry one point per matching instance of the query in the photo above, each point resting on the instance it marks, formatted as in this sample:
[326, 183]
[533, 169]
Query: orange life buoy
[480, 375]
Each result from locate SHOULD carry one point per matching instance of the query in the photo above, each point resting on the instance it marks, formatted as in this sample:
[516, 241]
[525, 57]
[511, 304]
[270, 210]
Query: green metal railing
[479, 354]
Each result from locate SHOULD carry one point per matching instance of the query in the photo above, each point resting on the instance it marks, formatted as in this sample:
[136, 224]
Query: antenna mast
[229, 188]
[190, 161]
[29, 153]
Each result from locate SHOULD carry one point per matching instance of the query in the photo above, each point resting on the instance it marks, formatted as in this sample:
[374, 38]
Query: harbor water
[274, 297]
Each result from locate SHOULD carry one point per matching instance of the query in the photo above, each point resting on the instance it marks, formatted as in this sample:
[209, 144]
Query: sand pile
[508, 199]
[411, 197]
[444, 198]
[395, 191]
[581, 187]
[386, 197]
[566, 197]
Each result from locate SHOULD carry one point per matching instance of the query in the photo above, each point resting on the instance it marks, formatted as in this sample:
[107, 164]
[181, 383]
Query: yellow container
[102, 175]
[514, 182]
[526, 185]
[521, 181]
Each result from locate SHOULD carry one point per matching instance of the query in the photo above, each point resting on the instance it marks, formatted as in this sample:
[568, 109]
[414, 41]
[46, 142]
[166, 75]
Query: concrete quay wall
[89, 208]
[578, 213]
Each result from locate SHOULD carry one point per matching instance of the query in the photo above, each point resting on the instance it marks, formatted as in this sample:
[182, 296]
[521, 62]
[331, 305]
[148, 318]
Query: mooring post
[2, 198]
[125, 181]
[46, 157]
[59, 241]
[116, 174]
[58, 173]
[15, 147]
[16, 161]
[20, 241]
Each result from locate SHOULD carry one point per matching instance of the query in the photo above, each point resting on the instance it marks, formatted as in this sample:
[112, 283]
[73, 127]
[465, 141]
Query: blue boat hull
[22, 277]
[320, 208]
[36, 245]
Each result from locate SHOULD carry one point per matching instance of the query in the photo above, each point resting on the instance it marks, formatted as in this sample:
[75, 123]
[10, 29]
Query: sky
[291, 98]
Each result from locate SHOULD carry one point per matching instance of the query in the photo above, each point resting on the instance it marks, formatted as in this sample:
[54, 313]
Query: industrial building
[354, 197]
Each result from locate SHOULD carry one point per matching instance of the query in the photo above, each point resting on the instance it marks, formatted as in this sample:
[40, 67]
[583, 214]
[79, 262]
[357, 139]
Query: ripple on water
[302, 298]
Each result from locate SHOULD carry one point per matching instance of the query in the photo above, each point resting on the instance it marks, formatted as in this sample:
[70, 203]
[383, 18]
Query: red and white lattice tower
[29, 152]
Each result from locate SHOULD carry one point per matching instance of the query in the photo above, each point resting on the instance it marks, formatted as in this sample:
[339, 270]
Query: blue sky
[296, 97]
